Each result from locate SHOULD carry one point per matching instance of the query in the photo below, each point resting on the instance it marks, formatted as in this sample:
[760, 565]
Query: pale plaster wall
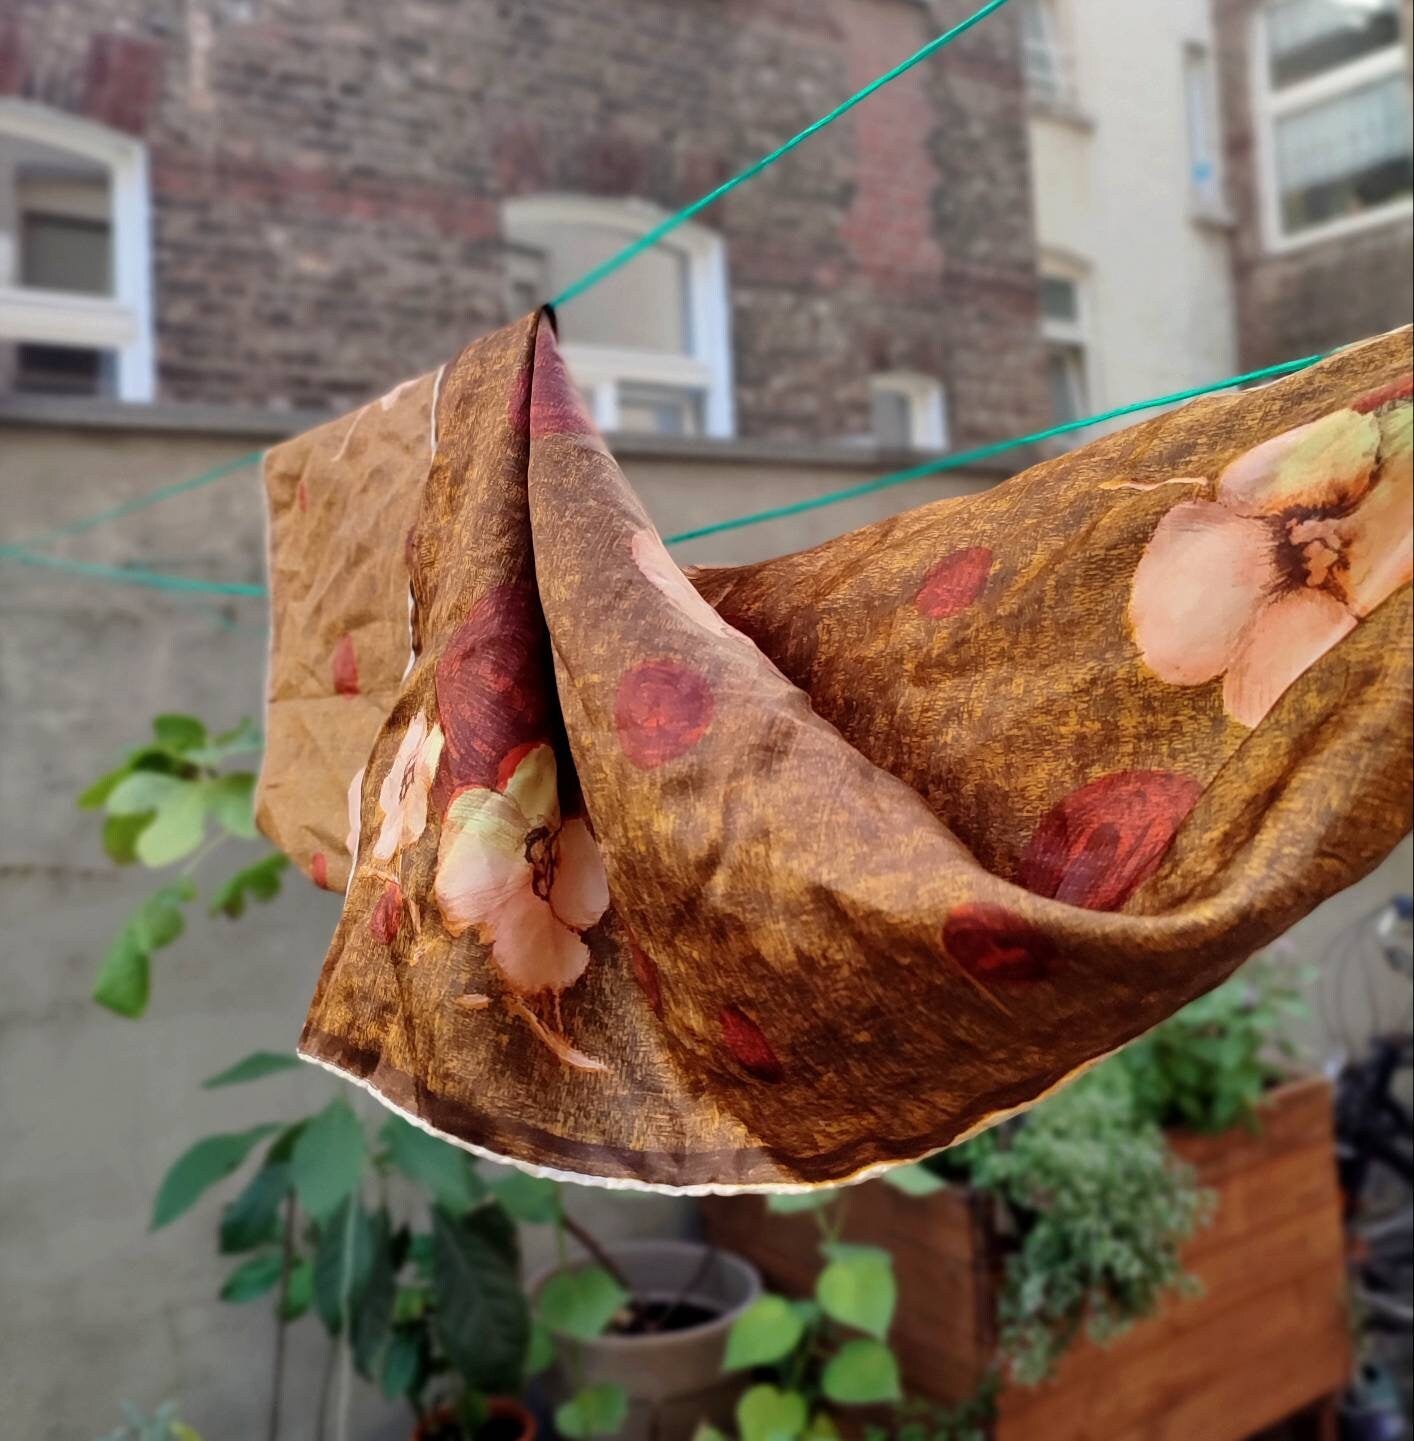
[1111, 193]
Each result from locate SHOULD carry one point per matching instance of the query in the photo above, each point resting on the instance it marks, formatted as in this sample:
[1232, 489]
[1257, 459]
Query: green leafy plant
[969, 1420]
[174, 801]
[164, 1424]
[1207, 1067]
[810, 1357]
[1095, 1207]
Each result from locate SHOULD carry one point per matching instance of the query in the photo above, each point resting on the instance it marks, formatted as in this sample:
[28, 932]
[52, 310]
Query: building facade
[1132, 221]
[339, 194]
[1316, 107]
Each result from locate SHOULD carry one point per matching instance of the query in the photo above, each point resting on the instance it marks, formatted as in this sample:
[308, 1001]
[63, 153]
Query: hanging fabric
[773, 875]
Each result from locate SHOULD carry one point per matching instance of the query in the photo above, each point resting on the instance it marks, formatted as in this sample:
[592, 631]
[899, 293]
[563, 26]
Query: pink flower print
[402, 798]
[1307, 534]
[529, 882]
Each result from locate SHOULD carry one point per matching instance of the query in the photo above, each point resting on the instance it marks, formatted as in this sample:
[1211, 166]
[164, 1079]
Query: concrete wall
[1109, 175]
[95, 1107]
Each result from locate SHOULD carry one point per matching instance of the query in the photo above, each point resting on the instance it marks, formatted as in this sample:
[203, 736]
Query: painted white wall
[1113, 199]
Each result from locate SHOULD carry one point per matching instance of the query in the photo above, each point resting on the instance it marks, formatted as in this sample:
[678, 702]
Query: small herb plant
[1096, 1209]
[809, 1357]
[176, 799]
[165, 1424]
[1207, 1067]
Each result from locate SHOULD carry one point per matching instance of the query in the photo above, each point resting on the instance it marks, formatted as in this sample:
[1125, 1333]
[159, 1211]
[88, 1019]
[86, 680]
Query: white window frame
[1270, 105]
[927, 406]
[600, 369]
[123, 322]
[1048, 65]
[1073, 334]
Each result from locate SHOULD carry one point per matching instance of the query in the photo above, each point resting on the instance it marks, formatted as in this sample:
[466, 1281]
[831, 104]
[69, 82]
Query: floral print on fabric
[662, 709]
[527, 881]
[1308, 532]
[402, 798]
[954, 583]
[1096, 845]
[991, 943]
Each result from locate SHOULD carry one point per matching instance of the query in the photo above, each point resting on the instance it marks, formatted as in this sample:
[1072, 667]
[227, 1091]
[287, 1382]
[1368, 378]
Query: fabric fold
[775, 875]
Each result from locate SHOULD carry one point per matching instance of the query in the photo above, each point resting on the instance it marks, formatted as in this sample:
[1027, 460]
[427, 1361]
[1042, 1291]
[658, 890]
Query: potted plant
[1055, 1260]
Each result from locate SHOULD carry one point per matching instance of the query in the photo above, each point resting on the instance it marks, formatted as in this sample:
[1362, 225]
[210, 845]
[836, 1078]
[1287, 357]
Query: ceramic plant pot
[673, 1377]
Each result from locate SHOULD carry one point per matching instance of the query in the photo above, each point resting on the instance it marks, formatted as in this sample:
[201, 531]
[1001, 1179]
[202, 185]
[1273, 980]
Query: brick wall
[327, 177]
[1321, 294]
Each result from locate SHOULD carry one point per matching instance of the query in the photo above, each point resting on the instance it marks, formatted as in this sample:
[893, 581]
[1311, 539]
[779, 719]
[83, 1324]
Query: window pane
[893, 419]
[1344, 155]
[1204, 174]
[62, 370]
[1066, 371]
[644, 305]
[1307, 37]
[1044, 62]
[58, 252]
[1060, 300]
[659, 410]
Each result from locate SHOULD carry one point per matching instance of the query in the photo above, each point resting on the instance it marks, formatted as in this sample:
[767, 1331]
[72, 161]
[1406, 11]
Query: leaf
[822, 1428]
[480, 1318]
[158, 921]
[766, 1413]
[580, 1302]
[299, 1289]
[343, 1259]
[402, 1365]
[254, 1067]
[791, 1203]
[328, 1158]
[200, 1167]
[528, 1198]
[178, 732]
[230, 801]
[244, 739]
[91, 798]
[120, 835]
[253, 1278]
[253, 1218]
[436, 1165]
[175, 831]
[913, 1180]
[258, 882]
[371, 1318]
[541, 1350]
[496, 1228]
[767, 1330]
[594, 1411]
[125, 978]
[861, 1373]
[141, 791]
[858, 1290]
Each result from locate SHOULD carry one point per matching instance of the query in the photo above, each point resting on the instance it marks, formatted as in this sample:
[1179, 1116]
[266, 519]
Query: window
[75, 292]
[1063, 326]
[1045, 59]
[1333, 117]
[909, 412]
[649, 345]
[1205, 178]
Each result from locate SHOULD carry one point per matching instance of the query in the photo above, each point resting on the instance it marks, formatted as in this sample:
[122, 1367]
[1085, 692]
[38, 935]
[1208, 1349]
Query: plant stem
[326, 1386]
[595, 1249]
[277, 1383]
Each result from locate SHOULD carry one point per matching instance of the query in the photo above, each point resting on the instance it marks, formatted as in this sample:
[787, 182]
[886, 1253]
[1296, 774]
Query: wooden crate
[1269, 1336]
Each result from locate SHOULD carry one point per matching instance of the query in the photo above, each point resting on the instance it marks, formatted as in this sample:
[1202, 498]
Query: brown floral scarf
[775, 874]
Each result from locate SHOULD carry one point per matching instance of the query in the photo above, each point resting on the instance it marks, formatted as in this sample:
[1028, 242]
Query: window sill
[1212, 217]
[1061, 112]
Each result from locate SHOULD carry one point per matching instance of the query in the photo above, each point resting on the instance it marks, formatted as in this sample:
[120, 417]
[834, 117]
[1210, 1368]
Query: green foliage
[253, 1278]
[328, 1158]
[814, 1348]
[165, 1424]
[969, 1420]
[171, 800]
[915, 1180]
[254, 1067]
[199, 1168]
[481, 1319]
[1207, 1067]
[580, 1302]
[1100, 1208]
[593, 1411]
[443, 1170]
[528, 1198]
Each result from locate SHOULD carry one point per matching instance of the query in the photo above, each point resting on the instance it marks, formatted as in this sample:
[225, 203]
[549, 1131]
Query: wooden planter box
[1269, 1336]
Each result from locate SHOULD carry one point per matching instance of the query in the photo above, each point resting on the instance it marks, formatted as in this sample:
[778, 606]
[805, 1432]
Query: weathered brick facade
[327, 176]
[1317, 295]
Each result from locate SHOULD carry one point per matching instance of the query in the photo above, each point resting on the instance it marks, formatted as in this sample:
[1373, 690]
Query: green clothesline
[159, 580]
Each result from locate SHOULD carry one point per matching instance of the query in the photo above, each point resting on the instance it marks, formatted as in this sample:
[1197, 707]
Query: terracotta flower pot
[506, 1420]
[673, 1377]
